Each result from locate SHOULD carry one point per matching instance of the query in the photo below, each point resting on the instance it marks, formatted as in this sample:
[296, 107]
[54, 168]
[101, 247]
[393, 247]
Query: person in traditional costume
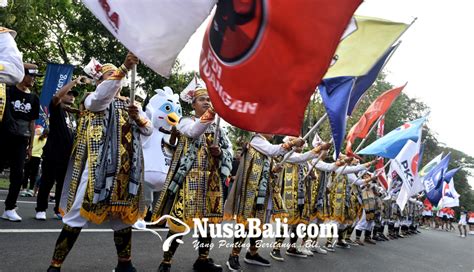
[368, 201]
[194, 184]
[105, 174]
[254, 191]
[294, 189]
[342, 198]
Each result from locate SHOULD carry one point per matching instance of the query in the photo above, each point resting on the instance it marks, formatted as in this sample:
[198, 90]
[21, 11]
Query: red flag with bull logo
[262, 60]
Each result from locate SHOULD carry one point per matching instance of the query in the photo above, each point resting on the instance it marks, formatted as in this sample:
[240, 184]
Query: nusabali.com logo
[254, 229]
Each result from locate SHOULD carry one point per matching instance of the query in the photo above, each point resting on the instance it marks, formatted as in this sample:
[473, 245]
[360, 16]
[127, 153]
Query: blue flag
[450, 174]
[390, 145]
[434, 181]
[364, 82]
[336, 93]
[57, 75]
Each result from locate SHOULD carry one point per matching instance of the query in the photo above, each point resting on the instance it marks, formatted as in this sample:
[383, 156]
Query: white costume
[164, 111]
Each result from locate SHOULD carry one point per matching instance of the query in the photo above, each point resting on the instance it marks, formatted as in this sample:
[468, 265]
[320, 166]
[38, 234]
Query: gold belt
[3, 99]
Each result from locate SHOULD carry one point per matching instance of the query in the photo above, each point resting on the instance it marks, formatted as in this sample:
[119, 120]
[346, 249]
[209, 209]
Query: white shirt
[104, 95]
[193, 128]
[263, 146]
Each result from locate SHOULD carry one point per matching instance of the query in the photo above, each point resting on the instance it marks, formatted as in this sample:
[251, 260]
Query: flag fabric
[449, 198]
[434, 180]
[378, 108]
[391, 144]
[406, 166]
[380, 166]
[336, 93]
[418, 186]
[155, 31]
[429, 166]
[365, 45]
[450, 174]
[262, 60]
[364, 82]
[57, 75]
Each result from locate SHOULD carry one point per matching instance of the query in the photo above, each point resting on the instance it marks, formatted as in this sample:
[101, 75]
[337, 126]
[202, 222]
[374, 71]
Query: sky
[435, 58]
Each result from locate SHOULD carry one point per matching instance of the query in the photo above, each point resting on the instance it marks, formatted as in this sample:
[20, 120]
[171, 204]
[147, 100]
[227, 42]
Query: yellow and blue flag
[364, 46]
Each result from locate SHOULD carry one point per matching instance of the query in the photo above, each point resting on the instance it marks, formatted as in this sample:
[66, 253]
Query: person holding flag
[294, 192]
[105, 175]
[194, 184]
[262, 189]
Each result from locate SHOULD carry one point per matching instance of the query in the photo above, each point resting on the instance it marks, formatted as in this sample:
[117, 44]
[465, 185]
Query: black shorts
[427, 216]
[445, 218]
[470, 223]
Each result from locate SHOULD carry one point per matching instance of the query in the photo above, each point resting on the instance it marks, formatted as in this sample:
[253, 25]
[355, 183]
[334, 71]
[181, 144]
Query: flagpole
[320, 121]
[133, 84]
[217, 132]
[314, 163]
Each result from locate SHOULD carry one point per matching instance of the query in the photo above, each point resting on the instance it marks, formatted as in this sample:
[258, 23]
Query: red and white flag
[155, 31]
[262, 60]
[406, 166]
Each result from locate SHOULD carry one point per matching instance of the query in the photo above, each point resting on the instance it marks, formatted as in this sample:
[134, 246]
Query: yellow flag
[361, 48]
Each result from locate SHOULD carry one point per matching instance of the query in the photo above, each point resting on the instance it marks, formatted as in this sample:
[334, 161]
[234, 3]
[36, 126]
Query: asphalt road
[28, 246]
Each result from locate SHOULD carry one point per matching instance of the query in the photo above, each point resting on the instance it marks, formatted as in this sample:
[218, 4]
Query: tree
[64, 31]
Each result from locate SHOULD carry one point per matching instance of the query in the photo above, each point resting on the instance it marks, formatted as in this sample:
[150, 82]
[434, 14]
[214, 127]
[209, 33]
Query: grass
[4, 183]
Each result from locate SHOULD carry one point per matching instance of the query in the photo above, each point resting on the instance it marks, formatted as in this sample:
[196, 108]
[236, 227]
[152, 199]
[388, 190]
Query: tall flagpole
[133, 84]
[320, 121]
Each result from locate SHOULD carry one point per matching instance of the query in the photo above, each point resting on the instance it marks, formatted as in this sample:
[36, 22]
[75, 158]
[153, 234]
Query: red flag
[378, 108]
[262, 60]
[427, 204]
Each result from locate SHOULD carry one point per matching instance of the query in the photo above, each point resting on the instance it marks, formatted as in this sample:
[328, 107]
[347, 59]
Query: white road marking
[59, 230]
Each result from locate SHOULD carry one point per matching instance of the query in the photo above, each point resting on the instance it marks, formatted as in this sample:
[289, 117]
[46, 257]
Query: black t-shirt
[20, 109]
[22, 105]
[62, 126]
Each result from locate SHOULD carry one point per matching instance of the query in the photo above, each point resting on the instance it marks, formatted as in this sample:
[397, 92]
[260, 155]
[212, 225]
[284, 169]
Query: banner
[377, 108]
[391, 144]
[57, 75]
[155, 31]
[434, 180]
[406, 166]
[262, 60]
[335, 93]
[360, 50]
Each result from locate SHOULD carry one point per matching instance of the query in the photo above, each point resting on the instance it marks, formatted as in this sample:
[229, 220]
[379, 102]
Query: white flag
[450, 197]
[154, 30]
[406, 166]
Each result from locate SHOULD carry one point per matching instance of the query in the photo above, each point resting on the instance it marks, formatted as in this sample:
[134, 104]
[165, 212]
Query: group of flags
[262, 61]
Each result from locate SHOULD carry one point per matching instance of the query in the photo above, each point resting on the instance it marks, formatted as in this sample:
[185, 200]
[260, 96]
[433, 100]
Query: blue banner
[57, 75]
[336, 93]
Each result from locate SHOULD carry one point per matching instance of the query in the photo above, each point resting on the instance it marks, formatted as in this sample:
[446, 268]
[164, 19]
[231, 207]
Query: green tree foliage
[64, 31]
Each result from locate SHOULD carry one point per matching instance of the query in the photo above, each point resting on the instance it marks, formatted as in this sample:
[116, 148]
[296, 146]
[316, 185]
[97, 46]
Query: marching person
[462, 224]
[194, 184]
[105, 174]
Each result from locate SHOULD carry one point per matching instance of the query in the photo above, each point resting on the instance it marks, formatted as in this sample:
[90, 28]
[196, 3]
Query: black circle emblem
[236, 28]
